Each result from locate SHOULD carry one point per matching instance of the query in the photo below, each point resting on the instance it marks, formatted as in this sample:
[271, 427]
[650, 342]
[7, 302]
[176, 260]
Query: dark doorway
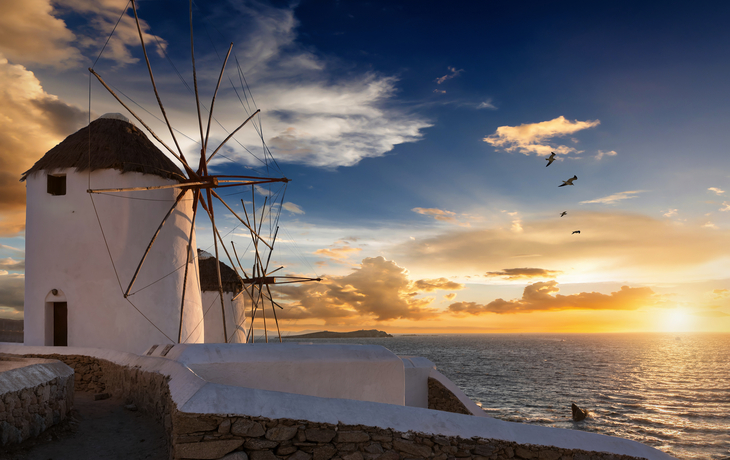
[60, 324]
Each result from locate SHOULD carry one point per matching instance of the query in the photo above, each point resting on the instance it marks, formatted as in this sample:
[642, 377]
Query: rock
[283, 451]
[521, 452]
[316, 435]
[374, 448]
[225, 426]
[578, 413]
[409, 447]
[248, 428]
[260, 444]
[352, 436]
[549, 455]
[238, 455]
[185, 425]
[207, 450]
[100, 396]
[263, 455]
[353, 456]
[130, 407]
[300, 455]
[324, 452]
[281, 433]
[484, 450]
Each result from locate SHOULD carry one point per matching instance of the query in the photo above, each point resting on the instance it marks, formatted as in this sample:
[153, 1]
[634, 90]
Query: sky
[416, 136]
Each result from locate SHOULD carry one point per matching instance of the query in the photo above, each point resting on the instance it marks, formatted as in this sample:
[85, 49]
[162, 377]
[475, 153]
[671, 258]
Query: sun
[678, 320]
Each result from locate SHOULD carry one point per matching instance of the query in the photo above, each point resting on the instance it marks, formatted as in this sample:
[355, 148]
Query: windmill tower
[233, 300]
[80, 251]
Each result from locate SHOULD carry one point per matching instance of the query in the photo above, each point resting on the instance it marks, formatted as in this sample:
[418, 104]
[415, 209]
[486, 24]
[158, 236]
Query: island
[341, 335]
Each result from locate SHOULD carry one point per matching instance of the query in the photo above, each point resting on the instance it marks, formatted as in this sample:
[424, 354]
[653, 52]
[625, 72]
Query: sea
[667, 390]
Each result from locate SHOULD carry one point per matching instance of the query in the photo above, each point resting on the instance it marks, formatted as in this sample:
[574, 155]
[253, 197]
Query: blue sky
[416, 134]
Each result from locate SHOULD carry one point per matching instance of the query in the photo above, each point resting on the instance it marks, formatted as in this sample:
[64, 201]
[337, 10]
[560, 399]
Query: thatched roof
[209, 276]
[114, 144]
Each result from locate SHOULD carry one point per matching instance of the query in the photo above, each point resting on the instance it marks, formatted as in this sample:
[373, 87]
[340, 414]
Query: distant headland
[341, 335]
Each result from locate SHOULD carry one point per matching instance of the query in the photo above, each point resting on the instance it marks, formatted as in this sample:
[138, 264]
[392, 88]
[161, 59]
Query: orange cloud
[539, 297]
[437, 284]
[338, 253]
[524, 273]
[33, 122]
[533, 137]
[441, 215]
[379, 289]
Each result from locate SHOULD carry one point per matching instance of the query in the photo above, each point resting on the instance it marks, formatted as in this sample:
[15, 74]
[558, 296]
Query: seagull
[569, 181]
[563, 213]
[577, 231]
[550, 159]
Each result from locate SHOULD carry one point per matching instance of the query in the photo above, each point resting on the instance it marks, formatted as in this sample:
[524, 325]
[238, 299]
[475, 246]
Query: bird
[550, 159]
[563, 213]
[568, 182]
[576, 231]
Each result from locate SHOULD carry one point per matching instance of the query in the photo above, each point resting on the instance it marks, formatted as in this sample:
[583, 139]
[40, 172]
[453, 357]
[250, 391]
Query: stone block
[281, 433]
[263, 455]
[352, 436]
[324, 452]
[521, 452]
[206, 450]
[248, 428]
[260, 444]
[389, 455]
[374, 448]
[353, 456]
[225, 426]
[283, 451]
[238, 455]
[485, 450]
[183, 425]
[549, 455]
[317, 435]
[300, 455]
[411, 448]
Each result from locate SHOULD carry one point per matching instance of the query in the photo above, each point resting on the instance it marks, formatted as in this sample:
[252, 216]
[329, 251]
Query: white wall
[235, 318]
[417, 370]
[65, 250]
[359, 372]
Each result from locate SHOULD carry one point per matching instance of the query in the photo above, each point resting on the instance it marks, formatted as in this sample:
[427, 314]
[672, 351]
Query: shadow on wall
[11, 330]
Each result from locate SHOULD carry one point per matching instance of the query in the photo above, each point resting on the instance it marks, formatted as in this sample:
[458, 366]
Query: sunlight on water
[668, 390]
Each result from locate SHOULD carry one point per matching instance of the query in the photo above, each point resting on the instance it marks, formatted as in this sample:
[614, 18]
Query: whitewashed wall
[235, 318]
[65, 250]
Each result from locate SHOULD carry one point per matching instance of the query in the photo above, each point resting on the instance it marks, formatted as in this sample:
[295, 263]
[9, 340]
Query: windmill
[202, 187]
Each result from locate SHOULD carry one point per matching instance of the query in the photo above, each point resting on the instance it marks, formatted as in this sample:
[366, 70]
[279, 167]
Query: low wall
[34, 395]
[205, 420]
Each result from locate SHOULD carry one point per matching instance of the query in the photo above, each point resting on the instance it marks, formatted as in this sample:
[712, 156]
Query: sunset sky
[415, 135]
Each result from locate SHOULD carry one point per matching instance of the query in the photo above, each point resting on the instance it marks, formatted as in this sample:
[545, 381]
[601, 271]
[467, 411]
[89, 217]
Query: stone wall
[29, 411]
[208, 437]
[440, 398]
[197, 436]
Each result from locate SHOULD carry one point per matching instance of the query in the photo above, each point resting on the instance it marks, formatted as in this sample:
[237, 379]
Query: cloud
[725, 206]
[721, 293]
[453, 73]
[338, 251]
[542, 296]
[709, 225]
[487, 105]
[533, 137]
[33, 122]
[12, 291]
[716, 190]
[450, 296]
[439, 91]
[32, 32]
[611, 199]
[615, 246]
[11, 264]
[523, 273]
[378, 289]
[669, 212]
[601, 154]
[293, 208]
[430, 285]
[441, 215]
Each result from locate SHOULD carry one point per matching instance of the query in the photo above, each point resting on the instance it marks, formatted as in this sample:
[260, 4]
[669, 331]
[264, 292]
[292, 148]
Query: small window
[56, 185]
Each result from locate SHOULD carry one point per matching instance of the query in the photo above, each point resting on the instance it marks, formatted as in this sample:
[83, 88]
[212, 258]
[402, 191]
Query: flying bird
[569, 181]
[550, 159]
[576, 231]
[563, 213]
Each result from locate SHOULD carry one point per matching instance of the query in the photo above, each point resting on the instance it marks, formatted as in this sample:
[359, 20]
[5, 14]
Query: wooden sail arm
[154, 86]
[231, 135]
[212, 103]
[238, 217]
[192, 174]
[183, 184]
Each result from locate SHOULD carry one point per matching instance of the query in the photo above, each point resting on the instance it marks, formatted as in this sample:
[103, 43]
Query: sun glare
[677, 321]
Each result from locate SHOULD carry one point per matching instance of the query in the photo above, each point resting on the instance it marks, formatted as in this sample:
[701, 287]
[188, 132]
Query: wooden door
[60, 324]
